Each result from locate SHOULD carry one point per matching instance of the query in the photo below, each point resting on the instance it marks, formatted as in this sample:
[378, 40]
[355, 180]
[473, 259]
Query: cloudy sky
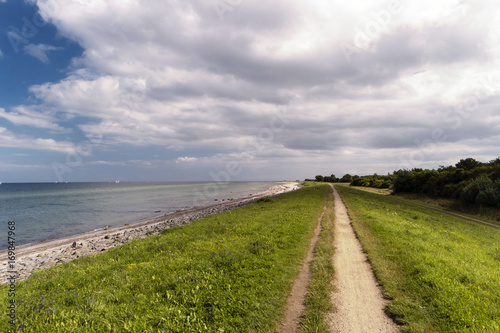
[98, 90]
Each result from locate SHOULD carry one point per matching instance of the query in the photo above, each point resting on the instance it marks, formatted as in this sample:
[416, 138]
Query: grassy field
[454, 206]
[231, 272]
[441, 272]
[488, 214]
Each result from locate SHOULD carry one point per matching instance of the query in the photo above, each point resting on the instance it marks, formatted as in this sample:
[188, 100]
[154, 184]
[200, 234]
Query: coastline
[43, 255]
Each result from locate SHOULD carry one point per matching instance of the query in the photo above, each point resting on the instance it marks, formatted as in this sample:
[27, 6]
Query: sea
[46, 211]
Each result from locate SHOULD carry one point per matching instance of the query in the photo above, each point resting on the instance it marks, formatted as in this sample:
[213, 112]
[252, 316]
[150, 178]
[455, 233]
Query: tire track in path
[358, 300]
[295, 303]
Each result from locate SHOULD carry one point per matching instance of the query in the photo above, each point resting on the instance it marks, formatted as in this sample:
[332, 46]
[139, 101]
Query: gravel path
[358, 299]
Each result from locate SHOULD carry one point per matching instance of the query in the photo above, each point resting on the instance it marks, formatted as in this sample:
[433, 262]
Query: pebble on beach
[35, 260]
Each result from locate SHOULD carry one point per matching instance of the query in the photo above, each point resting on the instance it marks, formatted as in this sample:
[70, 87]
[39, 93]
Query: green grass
[487, 214]
[441, 272]
[318, 303]
[230, 272]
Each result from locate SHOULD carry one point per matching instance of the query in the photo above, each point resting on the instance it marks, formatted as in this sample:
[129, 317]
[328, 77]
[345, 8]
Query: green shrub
[482, 191]
[488, 197]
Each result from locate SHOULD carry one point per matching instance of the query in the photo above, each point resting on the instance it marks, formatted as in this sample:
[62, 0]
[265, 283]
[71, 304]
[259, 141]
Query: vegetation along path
[440, 271]
[358, 300]
[295, 303]
[229, 272]
[470, 219]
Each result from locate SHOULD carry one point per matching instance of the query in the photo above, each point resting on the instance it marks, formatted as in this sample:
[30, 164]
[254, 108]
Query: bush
[482, 191]
[372, 181]
[488, 197]
[320, 178]
[452, 190]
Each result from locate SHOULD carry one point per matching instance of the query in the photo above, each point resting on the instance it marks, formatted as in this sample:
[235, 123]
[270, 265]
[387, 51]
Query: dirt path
[295, 303]
[358, 300]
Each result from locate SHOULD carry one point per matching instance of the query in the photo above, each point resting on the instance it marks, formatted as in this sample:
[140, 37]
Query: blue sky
[32, 52]
[169, 90]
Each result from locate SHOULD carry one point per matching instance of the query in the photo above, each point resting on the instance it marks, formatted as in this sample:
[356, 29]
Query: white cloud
[23, 115]
[40, 51]
[172, 74]
[12, 140]
[186, 159]
[1, 54]
[108, 163]
[17, 167]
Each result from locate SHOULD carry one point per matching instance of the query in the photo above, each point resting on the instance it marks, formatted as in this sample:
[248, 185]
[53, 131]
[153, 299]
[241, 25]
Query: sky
[238, 90]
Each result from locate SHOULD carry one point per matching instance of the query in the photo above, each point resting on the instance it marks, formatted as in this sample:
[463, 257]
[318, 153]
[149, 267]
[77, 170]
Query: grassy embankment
[455, 206]
[318, 303]
[230, 272]
[441, 272]
[488, 214]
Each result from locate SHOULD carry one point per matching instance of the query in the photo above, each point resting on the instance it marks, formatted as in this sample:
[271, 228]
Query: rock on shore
[44, 255]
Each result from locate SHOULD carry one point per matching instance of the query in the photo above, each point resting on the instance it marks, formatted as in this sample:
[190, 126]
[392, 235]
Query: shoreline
[31, 258]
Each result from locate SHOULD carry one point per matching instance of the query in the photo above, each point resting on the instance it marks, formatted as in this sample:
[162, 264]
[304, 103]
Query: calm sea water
[49, 211]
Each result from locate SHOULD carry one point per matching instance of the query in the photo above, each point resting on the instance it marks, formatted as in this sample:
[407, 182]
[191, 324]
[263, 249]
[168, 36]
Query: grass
[230, 272]
[318, 303]
[441, 272]
[488, 214]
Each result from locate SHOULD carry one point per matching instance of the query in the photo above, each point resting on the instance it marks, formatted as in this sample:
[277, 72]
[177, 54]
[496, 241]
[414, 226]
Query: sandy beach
[54, 252]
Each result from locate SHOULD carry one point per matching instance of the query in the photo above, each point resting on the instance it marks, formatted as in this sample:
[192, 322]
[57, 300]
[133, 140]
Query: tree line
[347, 178]
[472, 181]
[368, 181]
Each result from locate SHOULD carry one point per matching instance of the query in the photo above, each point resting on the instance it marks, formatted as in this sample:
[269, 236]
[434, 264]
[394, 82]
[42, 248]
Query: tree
[331, 179]
[489, 196]
[495, 162]
[320, 178]
[347, 178]
[468, 164]
[479, 185]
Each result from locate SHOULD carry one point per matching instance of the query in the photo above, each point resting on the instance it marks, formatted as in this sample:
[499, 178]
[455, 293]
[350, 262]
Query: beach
[46, 254]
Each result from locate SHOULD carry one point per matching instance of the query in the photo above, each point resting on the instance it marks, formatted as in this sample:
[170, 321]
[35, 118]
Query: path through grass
[317, 302]
[230, 272]
[441, 271]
